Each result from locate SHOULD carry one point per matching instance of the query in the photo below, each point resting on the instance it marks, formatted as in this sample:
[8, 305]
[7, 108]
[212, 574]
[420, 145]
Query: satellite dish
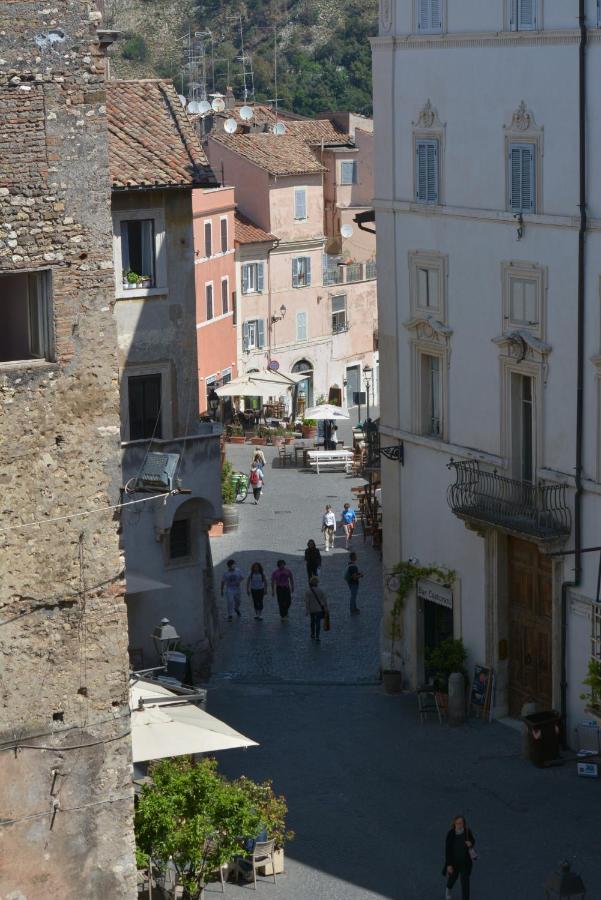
[280, 128]
[218, 105]
[246, 113]
[182, 100]
[231, 126]
[204, 107]
[194, 107]
[346, 231]
[193, 85]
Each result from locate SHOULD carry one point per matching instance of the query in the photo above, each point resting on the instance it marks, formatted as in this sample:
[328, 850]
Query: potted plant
[235, 434]
[145, 281]
[593, 695]
[400, 582]
[272, 810]
[309, 428]
[130, 279]
[442, 661]
[228, 497]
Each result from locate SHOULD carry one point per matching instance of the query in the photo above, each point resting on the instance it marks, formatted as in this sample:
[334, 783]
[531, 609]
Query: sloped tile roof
[249, 233]
[314, 131]
[283, 154]
[152, 143]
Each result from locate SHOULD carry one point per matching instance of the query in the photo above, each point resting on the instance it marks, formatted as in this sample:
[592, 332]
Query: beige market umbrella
[325, 411]
[167, 724]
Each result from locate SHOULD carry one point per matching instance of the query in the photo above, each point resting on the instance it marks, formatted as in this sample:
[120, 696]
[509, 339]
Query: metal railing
[371, 270]
[354, 272]
[537, 510]
[332, 276]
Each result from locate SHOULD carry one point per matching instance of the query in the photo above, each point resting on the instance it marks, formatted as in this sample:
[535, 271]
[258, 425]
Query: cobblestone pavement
[288, 514]
[370, 791]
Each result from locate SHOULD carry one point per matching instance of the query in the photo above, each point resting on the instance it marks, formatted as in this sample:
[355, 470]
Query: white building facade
[483, 294]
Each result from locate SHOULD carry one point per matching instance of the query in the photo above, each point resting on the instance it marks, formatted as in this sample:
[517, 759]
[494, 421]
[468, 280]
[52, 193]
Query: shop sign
[435, 593]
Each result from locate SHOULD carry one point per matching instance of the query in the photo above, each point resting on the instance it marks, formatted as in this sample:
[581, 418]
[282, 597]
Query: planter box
[237, 439]
[216, 530]
[309, 431]
[278, 860]
[260, 441]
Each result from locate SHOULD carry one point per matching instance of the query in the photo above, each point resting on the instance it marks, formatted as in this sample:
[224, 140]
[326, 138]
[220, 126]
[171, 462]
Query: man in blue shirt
[348, 519]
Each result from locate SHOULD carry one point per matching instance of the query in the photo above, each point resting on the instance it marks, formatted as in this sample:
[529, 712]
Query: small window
[348, 172]
[300, 203]
[431, 395]
[429, 16]
[523, 301]
[339, 322]
[522, 427]
[225, 295]
[301, 271]
[253, 334]
[522, 177]
[252, 278]
[523, 15]
[138, 253]
[224, 247]
[209, 300]
[26, 317]
[208, 239]
[428, 288]
[180, 539]
[301, 326]
[226, 376]
[426, 171]
[144, 396]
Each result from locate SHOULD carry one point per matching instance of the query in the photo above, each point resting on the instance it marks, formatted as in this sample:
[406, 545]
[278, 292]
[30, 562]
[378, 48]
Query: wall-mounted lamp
[520, 223]
[281, 316]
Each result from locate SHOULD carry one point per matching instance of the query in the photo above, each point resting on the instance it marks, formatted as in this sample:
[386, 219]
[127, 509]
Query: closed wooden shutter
[522, 180]
[295, 271]
[307, 270]
[526, 15]
[426, 162]
[260, 333]
[245, 336]
[260, 278]
[436, 15]
[245, 270]
[429, 15]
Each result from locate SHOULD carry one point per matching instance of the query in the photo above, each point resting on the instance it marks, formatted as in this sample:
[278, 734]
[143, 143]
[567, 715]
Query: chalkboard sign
[481, 691]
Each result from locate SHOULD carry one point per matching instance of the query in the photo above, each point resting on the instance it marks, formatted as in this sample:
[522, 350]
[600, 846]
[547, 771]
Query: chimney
[230, 100]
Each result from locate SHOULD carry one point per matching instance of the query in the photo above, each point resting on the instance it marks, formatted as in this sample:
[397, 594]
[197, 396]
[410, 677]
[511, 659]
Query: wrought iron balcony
[534, 510]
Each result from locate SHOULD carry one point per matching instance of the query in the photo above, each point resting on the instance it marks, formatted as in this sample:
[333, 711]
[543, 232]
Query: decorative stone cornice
[520, 343]
[428, 117]
[428, 328]
[523, 121]
[485, 39]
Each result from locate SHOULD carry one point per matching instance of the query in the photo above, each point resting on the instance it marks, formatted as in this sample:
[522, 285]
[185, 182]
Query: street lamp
[213, 403]
[165, 639]
[367, 374]
[564, 884]
[282, 314]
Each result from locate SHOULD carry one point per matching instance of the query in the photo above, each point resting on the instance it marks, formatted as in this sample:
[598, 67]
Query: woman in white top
[256, 585]
[328, 526]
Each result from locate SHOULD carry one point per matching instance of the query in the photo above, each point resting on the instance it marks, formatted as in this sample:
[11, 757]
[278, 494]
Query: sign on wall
[435, 593]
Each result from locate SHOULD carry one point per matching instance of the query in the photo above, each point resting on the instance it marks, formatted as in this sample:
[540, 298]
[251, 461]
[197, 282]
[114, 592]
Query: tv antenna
[248, 75]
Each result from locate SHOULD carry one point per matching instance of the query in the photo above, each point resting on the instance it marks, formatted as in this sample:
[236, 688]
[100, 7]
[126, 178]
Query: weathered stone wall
[63, 626]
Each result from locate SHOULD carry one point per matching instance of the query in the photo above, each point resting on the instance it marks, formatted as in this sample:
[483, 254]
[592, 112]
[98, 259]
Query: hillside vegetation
[324, 56]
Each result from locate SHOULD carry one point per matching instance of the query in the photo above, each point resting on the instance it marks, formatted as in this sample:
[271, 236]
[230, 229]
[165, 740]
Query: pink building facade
[215, 277]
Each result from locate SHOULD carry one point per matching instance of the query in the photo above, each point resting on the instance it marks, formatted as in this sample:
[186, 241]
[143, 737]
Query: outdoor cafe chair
[285, 455]
[263, 852]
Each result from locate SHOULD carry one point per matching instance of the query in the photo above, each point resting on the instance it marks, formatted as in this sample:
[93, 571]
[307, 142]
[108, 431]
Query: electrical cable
[33, 737]
[59, 808]
[19, 746]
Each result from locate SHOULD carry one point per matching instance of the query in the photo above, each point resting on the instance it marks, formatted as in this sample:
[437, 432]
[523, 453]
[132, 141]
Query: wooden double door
[530, 611]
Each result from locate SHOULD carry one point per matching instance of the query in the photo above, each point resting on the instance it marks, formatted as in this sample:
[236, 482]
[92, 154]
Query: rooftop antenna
[248, 75]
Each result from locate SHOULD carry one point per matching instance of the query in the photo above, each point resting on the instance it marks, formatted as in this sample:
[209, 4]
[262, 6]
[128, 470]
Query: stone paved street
[370, 791]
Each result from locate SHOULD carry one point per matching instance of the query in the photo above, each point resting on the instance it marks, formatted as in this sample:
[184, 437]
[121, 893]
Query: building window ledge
[141, 293]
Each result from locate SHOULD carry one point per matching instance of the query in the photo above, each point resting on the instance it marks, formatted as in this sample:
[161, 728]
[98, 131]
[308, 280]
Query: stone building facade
[66, 799]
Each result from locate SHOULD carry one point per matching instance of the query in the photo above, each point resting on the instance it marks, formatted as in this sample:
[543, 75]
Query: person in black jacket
[312, 559]
[459, 855]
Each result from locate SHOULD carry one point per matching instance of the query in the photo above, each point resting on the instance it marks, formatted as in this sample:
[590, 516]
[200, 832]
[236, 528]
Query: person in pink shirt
[282, 584]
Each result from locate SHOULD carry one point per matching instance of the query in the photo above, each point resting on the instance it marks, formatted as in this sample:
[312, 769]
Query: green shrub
[135, 48]
[228, 491]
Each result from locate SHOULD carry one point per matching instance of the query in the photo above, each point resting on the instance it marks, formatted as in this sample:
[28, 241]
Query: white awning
[138, 584]
[264, 383]
[325, 411]
[168, 724]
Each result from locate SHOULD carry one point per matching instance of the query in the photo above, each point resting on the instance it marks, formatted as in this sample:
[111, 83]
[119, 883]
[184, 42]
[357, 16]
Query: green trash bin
[544, 729]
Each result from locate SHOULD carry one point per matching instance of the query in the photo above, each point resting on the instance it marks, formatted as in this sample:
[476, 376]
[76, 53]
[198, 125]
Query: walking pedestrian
[459, 855]
[256, 585]
[353, 576]
[282, 583]
[230, 586]
[312, 559]
[316, 604]
[348, 520]
[258, 458]
[328, 526]
[257, 480]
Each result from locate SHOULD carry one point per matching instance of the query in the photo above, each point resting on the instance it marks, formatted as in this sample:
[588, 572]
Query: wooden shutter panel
[307, 270]
[295, 268]
[245, 331]
[426, 161]
[245, 279]
[423, 15]
[260, 277]
[260, 333]
[526, 18]
[522, 185]
[435, 15]
[432, 162]
[421, 171]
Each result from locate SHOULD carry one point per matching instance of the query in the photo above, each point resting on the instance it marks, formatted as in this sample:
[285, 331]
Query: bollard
[456, 699]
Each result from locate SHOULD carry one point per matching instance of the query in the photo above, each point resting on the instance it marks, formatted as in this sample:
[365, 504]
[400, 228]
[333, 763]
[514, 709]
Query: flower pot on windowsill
[392, 681]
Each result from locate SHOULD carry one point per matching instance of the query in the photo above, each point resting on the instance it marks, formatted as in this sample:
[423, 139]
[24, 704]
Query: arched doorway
[304, 388]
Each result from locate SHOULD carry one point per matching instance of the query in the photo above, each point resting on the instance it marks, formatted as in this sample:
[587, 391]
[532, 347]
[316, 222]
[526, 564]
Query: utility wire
[59, 808]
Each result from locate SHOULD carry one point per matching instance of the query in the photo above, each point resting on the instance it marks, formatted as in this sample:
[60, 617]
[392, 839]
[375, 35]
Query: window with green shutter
[522, 177]
[426, 170]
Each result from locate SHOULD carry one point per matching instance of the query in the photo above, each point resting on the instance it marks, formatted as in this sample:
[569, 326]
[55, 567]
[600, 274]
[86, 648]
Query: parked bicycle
[241, 484]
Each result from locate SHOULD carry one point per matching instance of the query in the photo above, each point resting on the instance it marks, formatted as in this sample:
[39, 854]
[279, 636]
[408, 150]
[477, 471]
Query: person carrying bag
[316, 606]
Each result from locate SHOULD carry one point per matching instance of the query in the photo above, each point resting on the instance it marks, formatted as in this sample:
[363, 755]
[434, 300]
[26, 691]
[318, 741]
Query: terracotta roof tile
[249, 233]
[314, 131]
[151, 140]
[283, 154]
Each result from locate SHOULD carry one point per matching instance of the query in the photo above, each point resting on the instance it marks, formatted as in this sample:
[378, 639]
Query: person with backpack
[316, 606]
[257, 480]
[258, 458]
[353, 576]
[348, 520]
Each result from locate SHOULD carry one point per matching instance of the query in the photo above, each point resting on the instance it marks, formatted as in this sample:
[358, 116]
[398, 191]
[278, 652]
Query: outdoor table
[323, 459]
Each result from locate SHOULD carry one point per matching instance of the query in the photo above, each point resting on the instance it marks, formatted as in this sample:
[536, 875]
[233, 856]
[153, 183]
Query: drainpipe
[273, 247]
[575, 582]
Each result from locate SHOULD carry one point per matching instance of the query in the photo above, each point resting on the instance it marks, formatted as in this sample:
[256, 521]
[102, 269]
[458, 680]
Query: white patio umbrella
[167, 724]
[325, 411]
[258, 384]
